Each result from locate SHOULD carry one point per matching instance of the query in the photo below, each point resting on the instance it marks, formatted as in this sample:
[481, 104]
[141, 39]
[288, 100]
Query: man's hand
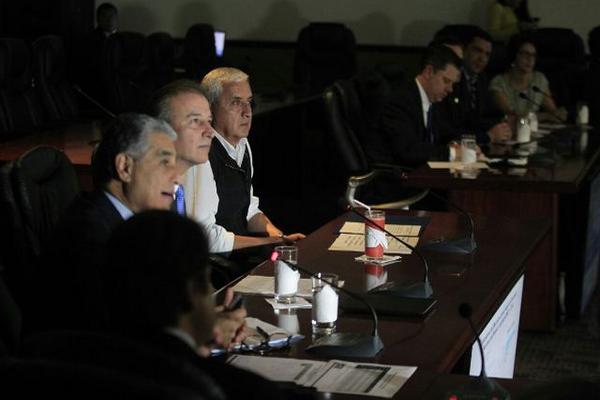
[500, 133]
[229, 324]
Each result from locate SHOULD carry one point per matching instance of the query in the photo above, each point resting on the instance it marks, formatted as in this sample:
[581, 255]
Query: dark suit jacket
[459, 117]
[70, 291]
[402, 133]
[237, 383]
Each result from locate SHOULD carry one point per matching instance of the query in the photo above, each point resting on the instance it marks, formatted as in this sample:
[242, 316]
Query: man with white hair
[219, 193]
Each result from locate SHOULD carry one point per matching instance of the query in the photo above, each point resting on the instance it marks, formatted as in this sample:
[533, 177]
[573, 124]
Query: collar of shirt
[235, 152]
[183, 336]
[123, 210]
[425, 103]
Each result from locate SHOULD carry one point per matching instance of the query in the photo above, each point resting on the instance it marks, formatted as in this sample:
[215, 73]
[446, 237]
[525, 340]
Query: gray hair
[212, 83]
[127, 133]
[160, 105]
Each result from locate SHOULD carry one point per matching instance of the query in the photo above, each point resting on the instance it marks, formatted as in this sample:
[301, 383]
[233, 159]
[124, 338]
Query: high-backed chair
[161, 59]
[10, 321]
[125, 72]
[22, 107]
[44, 183]
[561, 56]
[325, 52]
[350, 133]
[36, 190]
[199, 54]
[50, 73]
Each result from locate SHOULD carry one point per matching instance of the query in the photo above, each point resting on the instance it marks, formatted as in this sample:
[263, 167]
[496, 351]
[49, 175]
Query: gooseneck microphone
[530, 100]
[342, 344]
[484, 387]
[422, 290]
[465, 245]
[94, 101]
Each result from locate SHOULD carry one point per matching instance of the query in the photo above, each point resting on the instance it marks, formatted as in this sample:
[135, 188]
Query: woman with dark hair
[509, 17]
[521, 89]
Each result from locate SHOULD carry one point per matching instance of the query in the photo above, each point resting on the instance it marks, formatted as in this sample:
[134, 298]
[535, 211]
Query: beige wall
[402, 22]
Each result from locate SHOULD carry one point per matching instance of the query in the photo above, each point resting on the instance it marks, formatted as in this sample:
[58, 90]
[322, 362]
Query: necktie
[472, 83]
[180, 200]
[429, 127]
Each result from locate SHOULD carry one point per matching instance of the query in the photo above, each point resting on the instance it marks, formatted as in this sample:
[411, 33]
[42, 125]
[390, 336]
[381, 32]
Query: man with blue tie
[183, 105]
[409, 131]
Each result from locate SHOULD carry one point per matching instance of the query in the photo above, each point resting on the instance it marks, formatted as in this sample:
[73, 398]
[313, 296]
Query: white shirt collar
[123, 210]
[425, 103]
[235, 152]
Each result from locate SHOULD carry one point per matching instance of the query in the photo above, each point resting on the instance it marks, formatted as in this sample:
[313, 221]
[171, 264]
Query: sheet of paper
[398, 230]
[347, 242]
[279, 369]
[455, 165]
[335, 376]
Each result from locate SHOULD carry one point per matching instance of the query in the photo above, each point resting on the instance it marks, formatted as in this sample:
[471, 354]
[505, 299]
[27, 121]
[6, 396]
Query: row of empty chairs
[34, 90]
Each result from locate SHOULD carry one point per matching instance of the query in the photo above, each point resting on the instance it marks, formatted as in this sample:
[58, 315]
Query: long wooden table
[555, 185]
[437, 342]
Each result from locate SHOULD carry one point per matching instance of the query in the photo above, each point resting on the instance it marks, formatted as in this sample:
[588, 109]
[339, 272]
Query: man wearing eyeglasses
[219, 193]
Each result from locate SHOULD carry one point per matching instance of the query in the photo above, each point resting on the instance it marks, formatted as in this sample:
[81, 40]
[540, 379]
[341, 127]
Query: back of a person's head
[160, 103]
[127, 133]
[439, 56]
[153, 261]
[594, 42]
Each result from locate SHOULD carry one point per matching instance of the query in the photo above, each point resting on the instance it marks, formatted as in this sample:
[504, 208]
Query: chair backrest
[161, 58]
[56, 92]
[44, 183]
[10, 321]
[561, 56]
[55, 379]
[125, 72]
[343, 116]
[325, 52]
[199, 54]
[21, 104]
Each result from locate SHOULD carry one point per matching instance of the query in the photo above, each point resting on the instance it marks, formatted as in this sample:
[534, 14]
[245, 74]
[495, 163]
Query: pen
[237, 302]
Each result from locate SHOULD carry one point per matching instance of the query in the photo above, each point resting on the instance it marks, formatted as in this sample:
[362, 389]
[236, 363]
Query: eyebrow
[165, 153]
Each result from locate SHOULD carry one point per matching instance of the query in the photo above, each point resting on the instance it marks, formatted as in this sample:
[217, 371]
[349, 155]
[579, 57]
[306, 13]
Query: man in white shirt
[219, 193]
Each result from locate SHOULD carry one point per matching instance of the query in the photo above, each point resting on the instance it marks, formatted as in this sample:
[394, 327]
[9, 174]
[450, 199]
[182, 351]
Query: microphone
[342, 344]
[538, 105]
[421, 290]
[93, 101]
[538, 90]
[483, 387]
[466, 245]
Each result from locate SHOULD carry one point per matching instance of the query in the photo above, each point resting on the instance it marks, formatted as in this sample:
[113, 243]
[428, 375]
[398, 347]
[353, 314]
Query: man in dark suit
[158, 291]
[468, 109]
[409, 125]
[134, 170]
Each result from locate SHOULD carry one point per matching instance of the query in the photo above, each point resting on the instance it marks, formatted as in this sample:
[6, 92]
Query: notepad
[358, 228]
[352, 242]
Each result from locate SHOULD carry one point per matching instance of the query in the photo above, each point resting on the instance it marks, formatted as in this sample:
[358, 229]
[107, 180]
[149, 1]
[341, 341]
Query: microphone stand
[342, 344]
[484, 387]
[93, 101]
[465, 245]
[538, 90]
[422, 290]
